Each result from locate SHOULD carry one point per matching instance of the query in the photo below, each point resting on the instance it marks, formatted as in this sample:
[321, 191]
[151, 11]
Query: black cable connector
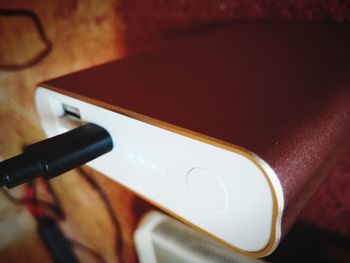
[56, 155]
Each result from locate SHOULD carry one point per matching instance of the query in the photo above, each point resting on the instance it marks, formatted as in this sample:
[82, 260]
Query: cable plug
[57, 155]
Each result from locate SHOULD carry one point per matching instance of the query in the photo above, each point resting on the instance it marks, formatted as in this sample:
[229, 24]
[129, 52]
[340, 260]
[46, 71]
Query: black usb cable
[56, 155]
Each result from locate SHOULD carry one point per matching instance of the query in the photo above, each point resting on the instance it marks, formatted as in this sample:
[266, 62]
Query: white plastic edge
[277, 188]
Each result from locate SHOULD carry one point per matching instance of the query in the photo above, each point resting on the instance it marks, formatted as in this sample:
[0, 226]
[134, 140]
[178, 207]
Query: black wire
[37, 22]
[62, 216]
[58, 210]
[22, 201]
[56, 200]
[53, 207]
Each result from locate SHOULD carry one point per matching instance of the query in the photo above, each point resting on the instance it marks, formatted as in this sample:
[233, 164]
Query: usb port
[70, 119]
[71, 112]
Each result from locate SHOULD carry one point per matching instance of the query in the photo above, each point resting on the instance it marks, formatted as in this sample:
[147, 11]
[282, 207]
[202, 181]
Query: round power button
[207, 189]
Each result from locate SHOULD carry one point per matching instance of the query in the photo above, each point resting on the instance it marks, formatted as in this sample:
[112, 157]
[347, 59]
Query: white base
[216, 190]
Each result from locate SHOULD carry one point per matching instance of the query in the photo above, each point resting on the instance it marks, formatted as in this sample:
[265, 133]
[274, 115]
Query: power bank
[228, 130]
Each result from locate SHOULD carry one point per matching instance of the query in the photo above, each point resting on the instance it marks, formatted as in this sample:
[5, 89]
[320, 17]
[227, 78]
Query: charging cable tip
[56, 155]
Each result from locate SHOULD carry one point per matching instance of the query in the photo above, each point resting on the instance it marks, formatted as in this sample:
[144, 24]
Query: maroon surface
[329, 207]
[152, 20]
[149, 22]
[286, 99]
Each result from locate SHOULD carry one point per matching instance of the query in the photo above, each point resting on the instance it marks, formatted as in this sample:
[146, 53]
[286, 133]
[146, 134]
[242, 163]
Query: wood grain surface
[99, 215]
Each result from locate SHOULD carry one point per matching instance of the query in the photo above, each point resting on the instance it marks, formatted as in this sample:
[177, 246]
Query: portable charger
[229, 130]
